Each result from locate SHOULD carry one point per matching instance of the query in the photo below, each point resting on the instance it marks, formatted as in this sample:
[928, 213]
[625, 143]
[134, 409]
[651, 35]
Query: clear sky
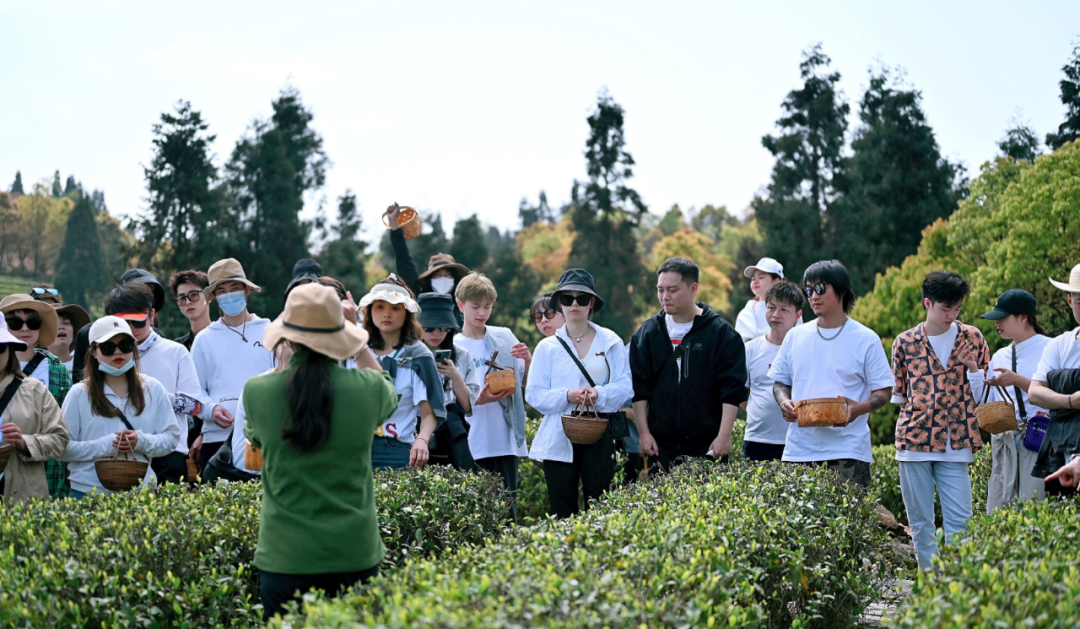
[466, 107]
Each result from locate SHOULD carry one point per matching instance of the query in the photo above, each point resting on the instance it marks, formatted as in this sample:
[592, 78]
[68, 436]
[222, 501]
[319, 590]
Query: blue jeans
[388, 453]
[917, 480]
[75, 493]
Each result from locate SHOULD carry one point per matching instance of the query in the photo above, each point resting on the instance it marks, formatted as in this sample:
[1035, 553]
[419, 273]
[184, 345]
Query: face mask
[117, 371]
[232, 304]
[443, 285]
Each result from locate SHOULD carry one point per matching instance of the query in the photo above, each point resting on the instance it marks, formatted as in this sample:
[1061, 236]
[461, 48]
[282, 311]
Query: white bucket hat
[7, 338]
[1074, 281]
[391, 294]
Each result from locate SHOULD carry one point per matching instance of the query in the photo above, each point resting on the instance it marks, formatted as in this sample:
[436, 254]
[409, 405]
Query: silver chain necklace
[577, 339]
[829, 338]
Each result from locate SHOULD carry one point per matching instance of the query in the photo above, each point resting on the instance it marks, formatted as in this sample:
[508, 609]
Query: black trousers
[632, 468]
[593, 467]
[452, 441]
[507, 468]
[672, 455]
[171, 468]
[209, 450]
[278, 589]
[758, 451]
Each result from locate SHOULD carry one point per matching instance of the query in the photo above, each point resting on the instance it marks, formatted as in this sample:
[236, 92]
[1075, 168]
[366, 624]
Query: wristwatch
[1072, 456]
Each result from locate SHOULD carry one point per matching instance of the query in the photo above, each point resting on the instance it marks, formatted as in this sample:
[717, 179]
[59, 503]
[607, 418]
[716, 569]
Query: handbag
[620, 425]
[1034, 430]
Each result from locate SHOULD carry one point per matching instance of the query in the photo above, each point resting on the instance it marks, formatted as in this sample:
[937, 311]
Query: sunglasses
[194, 297]
[537, 317]
[108, 348]
[568, 300]
[443, 330]
[137, 324]
[44, 291]
[16, 323]
[818, 288]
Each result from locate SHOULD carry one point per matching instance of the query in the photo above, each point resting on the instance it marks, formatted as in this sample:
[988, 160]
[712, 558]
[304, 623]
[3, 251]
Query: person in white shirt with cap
[115, 409]
[752, 321]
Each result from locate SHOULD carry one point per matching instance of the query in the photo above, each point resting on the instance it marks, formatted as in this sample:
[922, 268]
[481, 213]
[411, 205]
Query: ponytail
[1033, 321]
[311, 401]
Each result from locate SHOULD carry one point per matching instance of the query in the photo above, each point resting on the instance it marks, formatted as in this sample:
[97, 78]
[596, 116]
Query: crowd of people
[333, 390]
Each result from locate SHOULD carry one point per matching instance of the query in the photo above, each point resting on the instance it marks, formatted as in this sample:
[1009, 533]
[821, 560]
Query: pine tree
[1020, 142]
[605, 212]
[1070, 97]
[468, 246]
[70, 185]
[56, 190]
[80, 267]
[808, 167]
[343, 257]
[17, 187]
[541, 213]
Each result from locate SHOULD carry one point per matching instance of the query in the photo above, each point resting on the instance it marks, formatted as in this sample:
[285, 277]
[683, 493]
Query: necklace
[241, 333]
[577, 339]
[829, 338]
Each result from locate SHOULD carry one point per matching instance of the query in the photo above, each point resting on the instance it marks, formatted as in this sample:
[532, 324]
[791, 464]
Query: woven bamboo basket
[5, 454]
[996, 417]
[498, 378]
[821, 411]
[581, 427]
[252, 457]
[192, 470]
[409, 220]
[118, 474]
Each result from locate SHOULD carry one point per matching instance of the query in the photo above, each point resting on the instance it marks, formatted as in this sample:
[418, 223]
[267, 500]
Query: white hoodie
[226, 358]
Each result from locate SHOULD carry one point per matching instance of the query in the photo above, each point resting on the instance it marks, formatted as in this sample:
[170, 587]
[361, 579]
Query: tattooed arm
[878, 399]
[782, 393]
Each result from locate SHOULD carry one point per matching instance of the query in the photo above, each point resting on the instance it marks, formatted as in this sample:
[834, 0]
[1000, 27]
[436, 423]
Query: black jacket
[407, 271]
[1063, 436]
[687, 411]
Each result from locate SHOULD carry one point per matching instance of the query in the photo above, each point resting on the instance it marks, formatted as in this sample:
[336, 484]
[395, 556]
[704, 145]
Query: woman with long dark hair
[115, 409]
[314, 423]
[395, 338]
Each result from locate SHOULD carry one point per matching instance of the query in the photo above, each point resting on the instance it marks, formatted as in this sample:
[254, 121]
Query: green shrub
[1017, 568]
[176, 557]
[885, 482]
[709, 545]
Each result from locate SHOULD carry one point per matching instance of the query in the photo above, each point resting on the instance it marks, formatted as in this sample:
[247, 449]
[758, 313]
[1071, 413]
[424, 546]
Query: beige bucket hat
[1074, 281]
[227, 270]
[313, 318]
[49, 321]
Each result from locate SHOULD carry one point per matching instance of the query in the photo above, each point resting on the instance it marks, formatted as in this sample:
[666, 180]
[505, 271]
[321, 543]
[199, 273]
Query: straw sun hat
[228, 270]
[1074, 281]
[49, 321]
[313, 318]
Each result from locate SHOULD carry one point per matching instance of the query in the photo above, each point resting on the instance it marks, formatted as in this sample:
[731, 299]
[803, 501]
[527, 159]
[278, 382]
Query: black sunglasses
[108, 348]
[443, 330]
[567, 300]
[537, 317]
[818, 288]
[44, 291]
[135, 323]
[16, 323]
[194, 297]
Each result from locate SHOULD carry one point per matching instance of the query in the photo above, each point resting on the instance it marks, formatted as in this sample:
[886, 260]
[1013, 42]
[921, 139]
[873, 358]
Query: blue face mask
[232, 304]
[117, 371]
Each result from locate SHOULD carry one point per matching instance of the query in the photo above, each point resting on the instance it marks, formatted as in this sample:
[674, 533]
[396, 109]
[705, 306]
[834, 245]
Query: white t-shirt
[489, 433]
[853, 365]
[942, 344]
[765, 422]
[751, 322]
[401, 425]
[1028, 355]
[41, 373]
[238, 438]
[596, 366]
[677, 332]
[1063, 352]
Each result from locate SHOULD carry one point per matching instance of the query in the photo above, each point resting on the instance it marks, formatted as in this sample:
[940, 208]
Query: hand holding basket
[118, 474]
[996, 417]
[582, 427]
[499, 379]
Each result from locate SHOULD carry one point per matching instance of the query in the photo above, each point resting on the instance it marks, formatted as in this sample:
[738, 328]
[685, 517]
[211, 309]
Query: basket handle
[491, 364]
[1004, 394]
[116, 455]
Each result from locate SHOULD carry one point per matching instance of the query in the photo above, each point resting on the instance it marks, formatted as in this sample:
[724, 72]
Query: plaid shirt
[56, 472]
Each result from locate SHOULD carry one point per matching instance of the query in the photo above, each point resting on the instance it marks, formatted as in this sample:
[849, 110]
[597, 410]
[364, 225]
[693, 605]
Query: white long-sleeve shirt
[92, 435]
[553, 373]
[171, 364]
[225, 359]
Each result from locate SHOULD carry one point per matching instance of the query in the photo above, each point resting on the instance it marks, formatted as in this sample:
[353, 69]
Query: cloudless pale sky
[466, 107]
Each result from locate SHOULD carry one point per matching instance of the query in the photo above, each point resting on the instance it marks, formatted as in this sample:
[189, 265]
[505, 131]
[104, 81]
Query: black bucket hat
[436, 311]
[306, 269]
[578, 280]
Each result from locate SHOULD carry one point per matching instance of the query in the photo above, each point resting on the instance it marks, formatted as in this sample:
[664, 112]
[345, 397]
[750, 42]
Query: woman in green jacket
[314, 423]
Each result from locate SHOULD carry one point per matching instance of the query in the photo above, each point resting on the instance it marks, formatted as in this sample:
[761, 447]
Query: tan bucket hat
[313, 317]
[227, 270]
[444, 262]
[49, 321]
[1074, 281]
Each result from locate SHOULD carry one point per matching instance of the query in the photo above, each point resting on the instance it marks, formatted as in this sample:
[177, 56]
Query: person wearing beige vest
[32, 428]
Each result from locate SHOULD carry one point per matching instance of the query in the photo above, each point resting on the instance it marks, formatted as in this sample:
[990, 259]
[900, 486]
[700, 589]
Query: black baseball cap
[1012, 302]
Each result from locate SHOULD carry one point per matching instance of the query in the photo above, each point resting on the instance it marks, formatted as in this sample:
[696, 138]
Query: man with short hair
[934, 364]
[766, 430]
[1056, 387]
[689, 371]
[226, 354]
[188, 289]
[166, 361]
[833, 356]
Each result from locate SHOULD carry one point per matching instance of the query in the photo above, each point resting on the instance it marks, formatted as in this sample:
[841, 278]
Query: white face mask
[442, 285]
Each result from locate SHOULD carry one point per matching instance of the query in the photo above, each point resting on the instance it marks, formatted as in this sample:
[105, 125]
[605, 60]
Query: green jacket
[318, 507]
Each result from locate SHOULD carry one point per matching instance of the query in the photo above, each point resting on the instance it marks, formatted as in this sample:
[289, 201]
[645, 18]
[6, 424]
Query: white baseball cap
[767, 265]
[107, 327]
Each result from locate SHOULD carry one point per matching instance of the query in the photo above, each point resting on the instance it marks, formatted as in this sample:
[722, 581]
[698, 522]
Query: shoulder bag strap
[9, 393]
[577, 362]
[123, 418]
[1016, 390]
[32, 366]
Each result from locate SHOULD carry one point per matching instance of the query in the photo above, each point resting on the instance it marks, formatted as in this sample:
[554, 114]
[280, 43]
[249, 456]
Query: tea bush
[177, 557]
[885, 482]
[709, 545]
[1017, 568]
